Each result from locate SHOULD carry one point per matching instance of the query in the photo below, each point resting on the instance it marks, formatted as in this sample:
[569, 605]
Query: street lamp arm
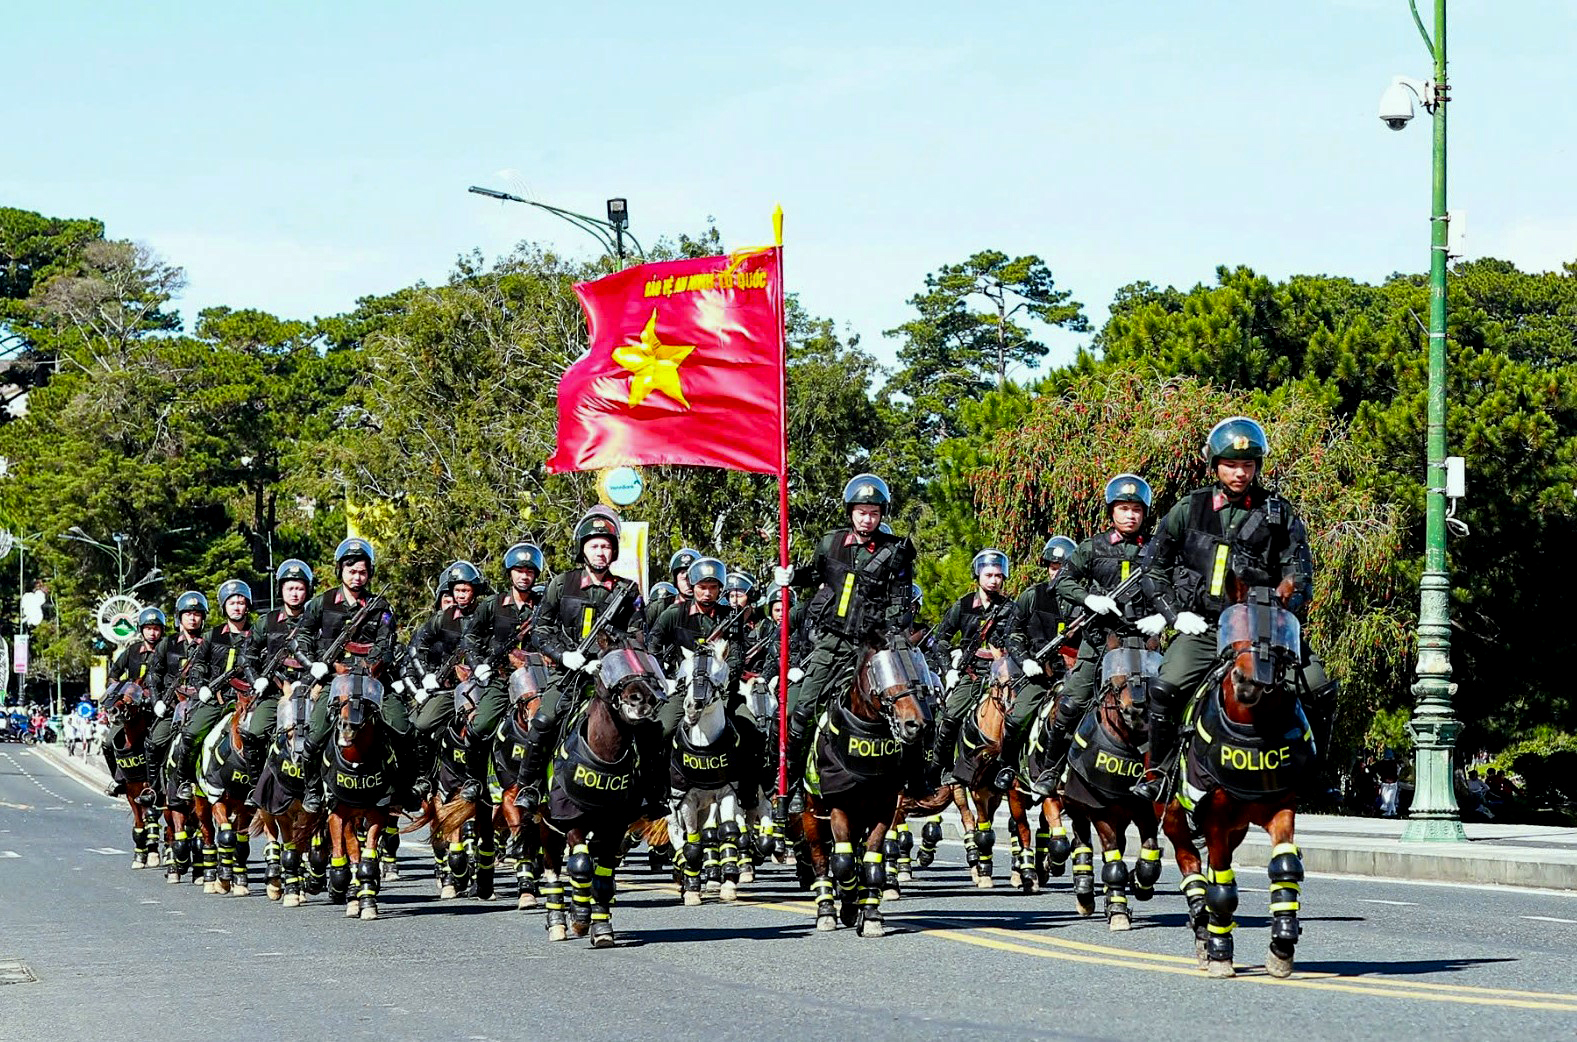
[593, 226]
[1418, 21]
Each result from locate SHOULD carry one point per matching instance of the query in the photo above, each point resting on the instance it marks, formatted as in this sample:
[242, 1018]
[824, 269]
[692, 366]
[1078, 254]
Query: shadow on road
[1396, 968]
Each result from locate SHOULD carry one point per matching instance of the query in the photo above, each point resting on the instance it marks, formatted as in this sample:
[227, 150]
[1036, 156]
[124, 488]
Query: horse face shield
[530, 680]
[355, 699]
[896, 678]
[290, 724]
[704, 678]
[1133, 668]
[1263, 639]
[633, 682]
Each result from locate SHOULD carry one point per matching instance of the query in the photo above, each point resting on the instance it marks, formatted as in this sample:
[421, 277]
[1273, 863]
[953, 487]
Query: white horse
[707, 822]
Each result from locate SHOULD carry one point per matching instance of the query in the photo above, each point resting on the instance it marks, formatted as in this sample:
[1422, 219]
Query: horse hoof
[691, 898]
[289, 900]
[139, 862]
[1119, 923]
[1085, 905]
[369, 912]
[558, 932]
[1029, 885]
[448, 892]
[826, 923]
[526, 901]
[353, 909]
[602, 940]
[1221, 969]
[153, 859]
[1278, 966]
[892, 893]
[209, 888]
[984, 883]
[1201, 954]
[747, 875]
[728, 892]
[871, 928]
[275, 891]
[240, 890]
[171, 877]
[974, 875]
[1016, 879]
[905, 876]
[391, 874]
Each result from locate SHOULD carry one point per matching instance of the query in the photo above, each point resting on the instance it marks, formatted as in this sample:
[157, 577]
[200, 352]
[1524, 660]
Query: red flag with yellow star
[685, 367]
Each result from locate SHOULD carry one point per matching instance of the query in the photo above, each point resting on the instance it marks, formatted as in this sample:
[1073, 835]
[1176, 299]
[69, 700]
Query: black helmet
[707, 568]
[1127, 488]
[865, 489]
[682, 560]
[293, 570]
[774, 595]
[597, 522]
[916, 595]
[151, 617]
[663, 592]
[1236, 437]
[523, 555]
[990, 559]
[234, 588]
[738, 581]
[353, 549]
[1057, 550]
[459, 572]
[191, 600]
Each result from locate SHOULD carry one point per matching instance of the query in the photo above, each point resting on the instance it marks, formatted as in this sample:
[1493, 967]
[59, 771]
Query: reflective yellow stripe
[1111, 855]
[229, 660]
[1228, 928]
[1146, 854]
[1282, 884]
[1126, 566]
[1218, 574]
[873, 857]
[1080, 739]
[1200, 727]
[603, 870]
[1223, 875]
[1284, 848]
[843, 848]
[585, 622]
[1060, 627]
[1284, 906]
[848, 594]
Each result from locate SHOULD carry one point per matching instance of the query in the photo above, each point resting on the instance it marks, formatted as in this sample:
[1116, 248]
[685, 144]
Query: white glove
[951, 680]
[573, 659]
[482, 674]
[1101, 604]
[1151, 625]
[772, 685]
[672, 686]
[1189, 623]
[1032, 668]
[421, 695]
[958, 656]
[319, 670]
[398, 687]
[429, 683]
[260, 685]
[796, 674]
[205, 694]
[783, 576]
[592, 667]
[160, 710]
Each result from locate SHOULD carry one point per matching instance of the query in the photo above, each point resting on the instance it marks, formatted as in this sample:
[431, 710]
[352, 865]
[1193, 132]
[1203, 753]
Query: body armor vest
[1211, 552]
[850, 751]
[1247, 764]
[275, 629]
[1107, 767]
[588, 783]
[708, 767]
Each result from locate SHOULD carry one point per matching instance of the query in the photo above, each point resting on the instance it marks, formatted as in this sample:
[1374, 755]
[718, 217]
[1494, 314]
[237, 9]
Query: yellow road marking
[16, 806]
[1042, 946]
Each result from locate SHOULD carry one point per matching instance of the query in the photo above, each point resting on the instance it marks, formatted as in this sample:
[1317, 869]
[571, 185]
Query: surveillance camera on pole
[1396, 104]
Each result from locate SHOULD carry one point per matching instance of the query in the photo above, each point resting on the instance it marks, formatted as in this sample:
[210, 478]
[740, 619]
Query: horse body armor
[586, 783]
[357, 785]
[1106, 767]
[849, 751]
[708, 767]
[1249, 766]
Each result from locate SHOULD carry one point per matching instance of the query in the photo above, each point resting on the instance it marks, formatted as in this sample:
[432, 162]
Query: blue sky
[293, 156]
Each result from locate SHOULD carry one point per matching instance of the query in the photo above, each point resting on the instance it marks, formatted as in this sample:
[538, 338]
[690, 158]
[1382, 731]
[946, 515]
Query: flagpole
[783, 509]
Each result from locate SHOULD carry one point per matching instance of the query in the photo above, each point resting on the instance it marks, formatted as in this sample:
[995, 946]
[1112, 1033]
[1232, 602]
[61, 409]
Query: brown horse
[594, 795]
[357, 770]
[288, 827]
[980, 743]
[224, 781]
[1245, 744]
[190, 835]
[1105, 761]
[519, 827]
[854, 780]
[461, 830]
[128, 709]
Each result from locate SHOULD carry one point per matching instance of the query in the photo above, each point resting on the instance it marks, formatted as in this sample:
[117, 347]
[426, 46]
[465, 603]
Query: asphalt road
[90, 949]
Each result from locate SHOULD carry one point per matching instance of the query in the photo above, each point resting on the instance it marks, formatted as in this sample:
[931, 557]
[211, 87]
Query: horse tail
[927, 805]
[656, 832]
[418, 820]
[453, 814]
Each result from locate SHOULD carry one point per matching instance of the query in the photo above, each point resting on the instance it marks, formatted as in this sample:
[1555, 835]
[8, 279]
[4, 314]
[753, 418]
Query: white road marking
[8, 854]
[104, 850]
[1549, 919]
[147, 901]
[1378, 901]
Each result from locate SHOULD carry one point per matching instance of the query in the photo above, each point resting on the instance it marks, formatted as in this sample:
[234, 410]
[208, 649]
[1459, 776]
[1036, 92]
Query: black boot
[180, 751]
[945, 749]
[1007, 761]
[534, 768]
[476, 754]
[312, 781]
[1163, 748]
[798, 740]
[1058, 738]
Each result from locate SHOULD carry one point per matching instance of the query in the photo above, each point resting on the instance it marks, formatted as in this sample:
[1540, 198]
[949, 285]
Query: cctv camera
[1396, 106]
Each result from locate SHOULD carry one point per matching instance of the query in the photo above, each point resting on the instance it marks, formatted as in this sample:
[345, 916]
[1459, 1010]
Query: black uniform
[978, 621]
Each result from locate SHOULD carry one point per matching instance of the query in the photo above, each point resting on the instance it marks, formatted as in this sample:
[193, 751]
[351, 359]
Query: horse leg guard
[1146, 872]
[1114, 875]
[602, 891]
[1221, 900]
[1084, 878]
[971, 852]
[1058, 848]
[985, 839]
[183, 853]
[459, 865]
[525, 882]
[243, 854]
[339, 880]
[485, 861]
[210, 855]
[890, 860]
[388, 854]
[139, 846]
[1042, 851]
[317, 866]
[692, 858]
[728, 851]
[1029, 877]
[1286, 884]
[826, 910]
[273, 872]
[930, 839]
[711, 870]
[556, 922]
[580, 870]
[226, 852]
[367, 878]
[873, 874]
[905, 852]
[290, 865]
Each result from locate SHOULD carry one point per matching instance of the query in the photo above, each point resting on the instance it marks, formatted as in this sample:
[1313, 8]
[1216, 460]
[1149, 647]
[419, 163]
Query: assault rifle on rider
[1084, 620]
[610, 608]
[352, 624]
[217, 684]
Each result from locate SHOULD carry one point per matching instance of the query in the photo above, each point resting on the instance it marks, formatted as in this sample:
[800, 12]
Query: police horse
[594, 795]
[129, 711]
[358, 769]
[224, 781]
[517, 826]
[979, 743]
[1246, 742]
[293, 865]
[461, 826]
[705, 771]
[854, 778]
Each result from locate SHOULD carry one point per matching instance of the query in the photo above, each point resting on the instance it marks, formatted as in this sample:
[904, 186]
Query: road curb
[90, 774]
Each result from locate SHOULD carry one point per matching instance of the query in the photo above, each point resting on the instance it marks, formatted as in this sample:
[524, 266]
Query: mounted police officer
[217, 663]
[271, 637]
[133, 664]
[571, 610]
[436, 661]
[679, 571]
[496, 641]
[864, 575]
[367, 649]
[981, 623]
[1233, 527]
[658, 598]
[170, 670]
[1039, 617]
[739, 591]
[1096, 570]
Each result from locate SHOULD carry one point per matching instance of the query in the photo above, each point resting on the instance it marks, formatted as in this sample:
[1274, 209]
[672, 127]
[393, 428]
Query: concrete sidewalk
[1509, 855]
[90, 770]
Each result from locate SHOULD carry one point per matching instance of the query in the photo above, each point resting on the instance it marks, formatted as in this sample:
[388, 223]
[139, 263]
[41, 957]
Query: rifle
[733, 617]
[352, 624]
[1084, 620]
[983, 632]
[610, 608]
[498, 658]
[284, 648]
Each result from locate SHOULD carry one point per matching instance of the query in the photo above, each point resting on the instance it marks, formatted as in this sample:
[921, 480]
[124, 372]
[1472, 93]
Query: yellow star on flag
[653, 365]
